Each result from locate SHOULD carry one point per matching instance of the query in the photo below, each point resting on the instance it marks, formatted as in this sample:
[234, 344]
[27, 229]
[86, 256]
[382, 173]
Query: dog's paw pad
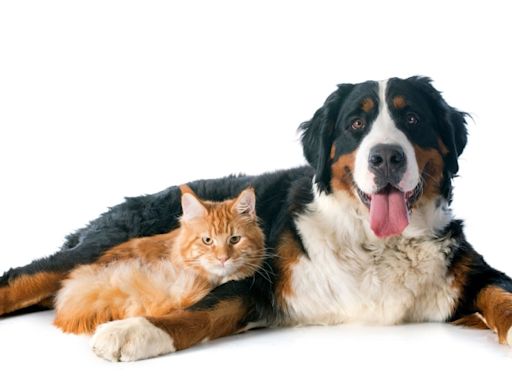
[130, 339]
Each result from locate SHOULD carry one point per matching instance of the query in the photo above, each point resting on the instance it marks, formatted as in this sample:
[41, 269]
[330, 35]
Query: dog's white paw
[130, 339]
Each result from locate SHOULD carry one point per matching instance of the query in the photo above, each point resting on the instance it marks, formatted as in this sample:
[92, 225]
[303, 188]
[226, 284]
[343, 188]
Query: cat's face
[222, 240]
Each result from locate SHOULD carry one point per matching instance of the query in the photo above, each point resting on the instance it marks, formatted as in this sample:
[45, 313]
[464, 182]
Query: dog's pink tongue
[388, 213]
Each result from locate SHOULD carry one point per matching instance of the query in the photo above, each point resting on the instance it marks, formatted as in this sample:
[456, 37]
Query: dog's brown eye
[411, 119]
[234, 240]
[357, 124]
[207, 240]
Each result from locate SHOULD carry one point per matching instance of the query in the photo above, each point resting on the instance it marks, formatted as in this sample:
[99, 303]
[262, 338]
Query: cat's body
[154, 276]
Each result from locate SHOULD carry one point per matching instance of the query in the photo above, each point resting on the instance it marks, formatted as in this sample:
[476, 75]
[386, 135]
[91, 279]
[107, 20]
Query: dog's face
[391, 145]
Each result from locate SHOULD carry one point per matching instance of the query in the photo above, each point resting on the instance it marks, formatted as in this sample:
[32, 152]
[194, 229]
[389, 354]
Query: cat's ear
[191, 205]
[245, 203]
[184, 188]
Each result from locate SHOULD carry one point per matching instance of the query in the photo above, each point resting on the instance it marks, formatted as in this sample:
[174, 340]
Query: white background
[105, 99]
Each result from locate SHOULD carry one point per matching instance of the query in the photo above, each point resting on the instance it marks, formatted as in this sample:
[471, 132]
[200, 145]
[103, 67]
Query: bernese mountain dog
[365, 233]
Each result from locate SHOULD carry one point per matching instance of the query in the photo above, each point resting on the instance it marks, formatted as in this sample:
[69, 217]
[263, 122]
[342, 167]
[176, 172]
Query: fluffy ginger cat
[152, 276]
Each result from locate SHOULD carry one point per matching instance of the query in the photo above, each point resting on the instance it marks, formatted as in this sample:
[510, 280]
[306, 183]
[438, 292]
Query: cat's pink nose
[222, 259]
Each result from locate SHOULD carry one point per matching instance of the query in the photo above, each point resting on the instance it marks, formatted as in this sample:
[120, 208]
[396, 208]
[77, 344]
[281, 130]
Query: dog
[363, 234]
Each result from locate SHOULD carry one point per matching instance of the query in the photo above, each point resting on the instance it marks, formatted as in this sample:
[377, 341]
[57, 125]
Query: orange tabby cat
[151, 276]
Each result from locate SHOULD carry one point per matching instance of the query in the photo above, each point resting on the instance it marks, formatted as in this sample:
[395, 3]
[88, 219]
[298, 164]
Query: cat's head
[221, 239]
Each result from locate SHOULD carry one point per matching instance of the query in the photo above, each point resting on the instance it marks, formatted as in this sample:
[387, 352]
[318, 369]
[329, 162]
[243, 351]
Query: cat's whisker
[263, 274]
[262, 271]
[271, 254]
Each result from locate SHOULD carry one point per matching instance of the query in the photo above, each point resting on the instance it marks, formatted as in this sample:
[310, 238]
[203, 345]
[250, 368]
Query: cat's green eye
[234, 240]
[207, 240]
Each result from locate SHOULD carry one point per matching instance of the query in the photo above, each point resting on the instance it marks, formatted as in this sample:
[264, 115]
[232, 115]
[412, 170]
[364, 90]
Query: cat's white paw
[130, 339]
[509, 337]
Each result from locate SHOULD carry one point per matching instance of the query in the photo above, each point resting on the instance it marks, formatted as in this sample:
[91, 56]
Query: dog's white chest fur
[351, 276]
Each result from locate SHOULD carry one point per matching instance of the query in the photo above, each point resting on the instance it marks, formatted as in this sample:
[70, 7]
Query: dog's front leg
[495, 305]
[486, 295]
[144, 337]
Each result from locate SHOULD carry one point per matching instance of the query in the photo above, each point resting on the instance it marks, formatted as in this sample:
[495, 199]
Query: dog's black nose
[388, 161]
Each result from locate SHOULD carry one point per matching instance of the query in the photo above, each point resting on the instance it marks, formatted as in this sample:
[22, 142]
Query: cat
[153, 276]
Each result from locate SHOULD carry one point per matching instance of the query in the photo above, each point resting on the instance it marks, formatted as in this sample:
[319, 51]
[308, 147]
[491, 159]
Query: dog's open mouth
[389, 209]
[411, 196]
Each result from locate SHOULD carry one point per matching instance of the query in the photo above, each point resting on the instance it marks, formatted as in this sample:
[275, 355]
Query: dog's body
[363, 235]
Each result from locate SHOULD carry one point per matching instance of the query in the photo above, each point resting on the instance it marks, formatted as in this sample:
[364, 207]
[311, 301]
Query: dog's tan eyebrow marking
[399, 102]
[367, 104]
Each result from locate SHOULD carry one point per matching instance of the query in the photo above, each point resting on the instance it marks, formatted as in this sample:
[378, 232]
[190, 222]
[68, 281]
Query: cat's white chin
[222, 271]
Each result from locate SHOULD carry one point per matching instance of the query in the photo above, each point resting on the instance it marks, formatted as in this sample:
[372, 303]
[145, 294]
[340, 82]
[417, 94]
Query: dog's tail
[37, 283]
[28, 290]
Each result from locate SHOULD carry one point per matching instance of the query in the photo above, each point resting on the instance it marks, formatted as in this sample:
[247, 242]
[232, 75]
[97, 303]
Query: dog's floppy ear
[451, 124]
[451, 128]
[317, 136]
[456, 137]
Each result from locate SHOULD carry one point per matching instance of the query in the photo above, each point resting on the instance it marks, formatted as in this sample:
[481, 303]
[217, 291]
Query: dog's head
[391, 145]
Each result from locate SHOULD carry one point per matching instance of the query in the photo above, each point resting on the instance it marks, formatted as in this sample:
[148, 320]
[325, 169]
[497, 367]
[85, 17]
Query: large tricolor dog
[363, 234]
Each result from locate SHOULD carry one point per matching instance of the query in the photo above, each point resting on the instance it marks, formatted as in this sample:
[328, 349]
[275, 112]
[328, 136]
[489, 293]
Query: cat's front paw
[130, 339]
[509, 337]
